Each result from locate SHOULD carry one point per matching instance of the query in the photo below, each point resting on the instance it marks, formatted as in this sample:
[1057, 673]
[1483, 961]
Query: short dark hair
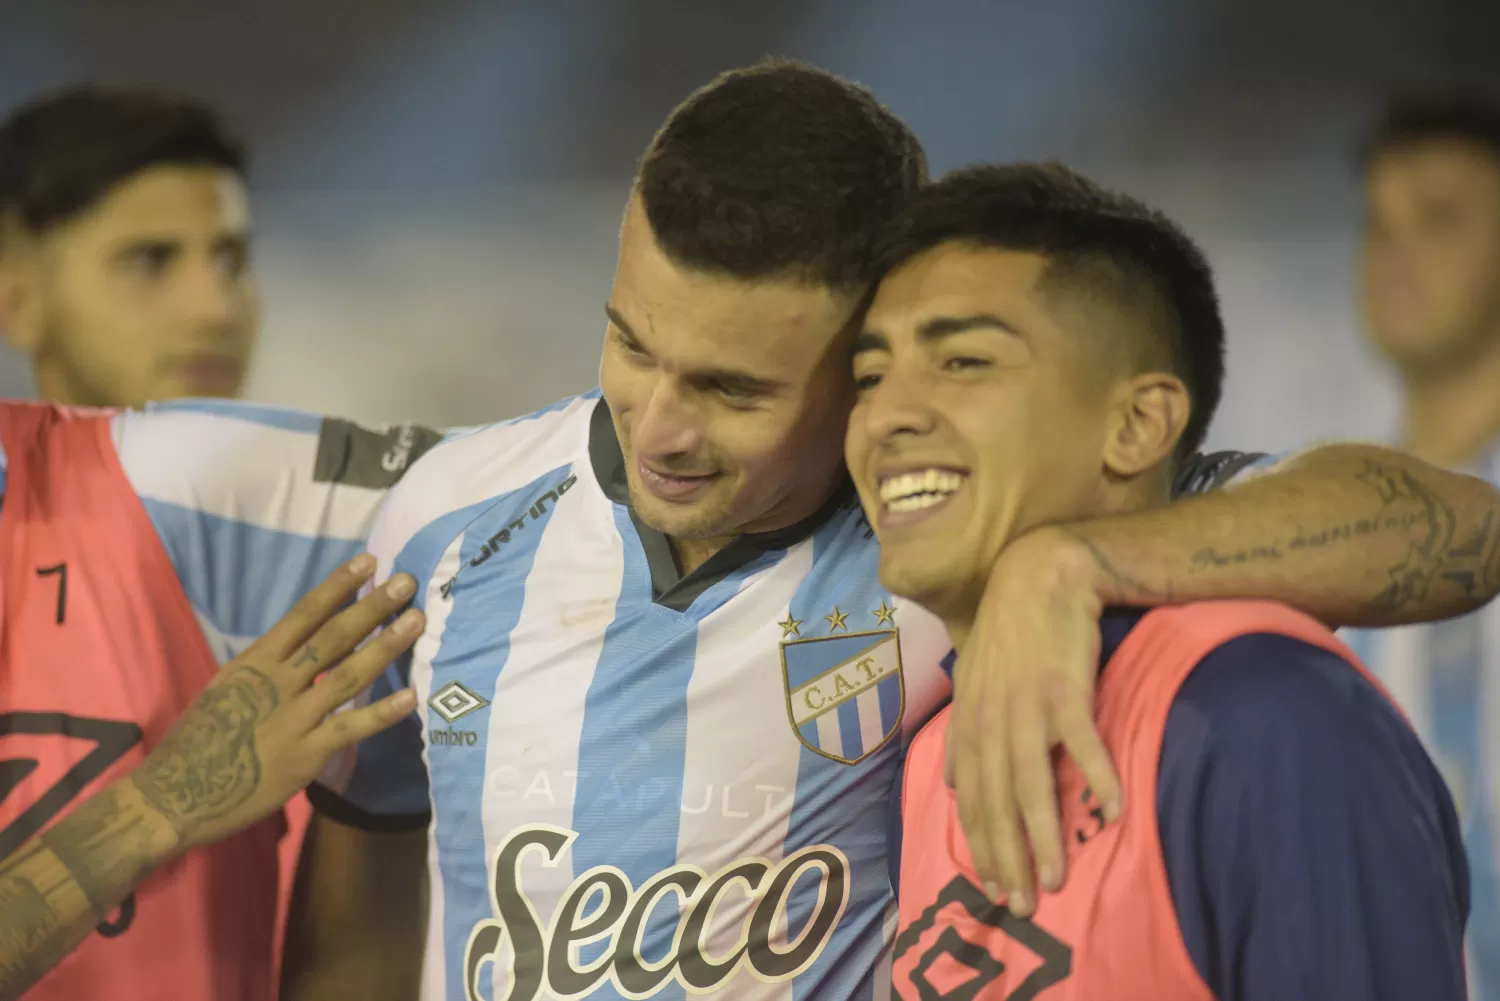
[779, 170]
[1412, 118]
[63, 152]
[1110, 245]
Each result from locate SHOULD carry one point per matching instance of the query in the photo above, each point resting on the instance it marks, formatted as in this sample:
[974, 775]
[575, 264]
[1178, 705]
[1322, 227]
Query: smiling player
[1042, 351]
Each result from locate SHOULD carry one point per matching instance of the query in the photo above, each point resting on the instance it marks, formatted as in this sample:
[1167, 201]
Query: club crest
[844, 691]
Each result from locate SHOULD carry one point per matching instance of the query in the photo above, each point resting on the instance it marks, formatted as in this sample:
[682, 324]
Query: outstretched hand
[263, 729]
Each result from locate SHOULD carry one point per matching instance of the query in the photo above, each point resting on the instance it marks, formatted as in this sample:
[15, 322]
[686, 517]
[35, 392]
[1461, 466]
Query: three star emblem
[791, 627]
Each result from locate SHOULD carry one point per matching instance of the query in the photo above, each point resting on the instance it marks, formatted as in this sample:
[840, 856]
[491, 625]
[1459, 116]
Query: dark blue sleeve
[1312, 849]
[1202, 473]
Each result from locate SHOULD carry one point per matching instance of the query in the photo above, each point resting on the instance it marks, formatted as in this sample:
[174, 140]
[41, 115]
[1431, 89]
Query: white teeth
[916, 490]
[914, 503]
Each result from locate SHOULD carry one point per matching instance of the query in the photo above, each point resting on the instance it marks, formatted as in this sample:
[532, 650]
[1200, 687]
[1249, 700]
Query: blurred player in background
[125, 266]
[1287, 839]
[125, 248]
[125, 276]
[1430, 285]
[663, 696]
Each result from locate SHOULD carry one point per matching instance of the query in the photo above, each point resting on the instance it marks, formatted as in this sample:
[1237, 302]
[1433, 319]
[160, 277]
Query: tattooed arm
[1352, 534]
[57, 887]
[255, 736]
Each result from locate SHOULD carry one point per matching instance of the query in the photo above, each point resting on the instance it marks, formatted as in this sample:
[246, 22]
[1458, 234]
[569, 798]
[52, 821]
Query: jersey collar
[669, 587]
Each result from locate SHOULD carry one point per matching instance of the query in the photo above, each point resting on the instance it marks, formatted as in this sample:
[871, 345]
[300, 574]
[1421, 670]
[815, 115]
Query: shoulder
[171, 451]
[1267, 691]
[493, 451]
[1283, 721]
[187, 419]
[473, 469]
[1286, 774]
[31, 432]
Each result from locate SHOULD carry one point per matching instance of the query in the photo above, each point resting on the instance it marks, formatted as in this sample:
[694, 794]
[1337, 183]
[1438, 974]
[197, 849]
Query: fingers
[342, 633]
[359, 670]
[1074, 721]
[315, 608]
[1036, 798]
[345, 729]
[968, 789]
[997, 800]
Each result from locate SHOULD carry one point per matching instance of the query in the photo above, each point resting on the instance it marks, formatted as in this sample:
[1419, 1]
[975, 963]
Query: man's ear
[1151, 411]
[20, 297]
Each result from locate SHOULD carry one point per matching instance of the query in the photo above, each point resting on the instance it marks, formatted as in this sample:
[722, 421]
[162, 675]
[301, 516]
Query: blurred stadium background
[438, 183]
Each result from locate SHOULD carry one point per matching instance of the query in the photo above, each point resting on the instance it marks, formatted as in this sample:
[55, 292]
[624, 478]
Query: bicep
[1312, 850]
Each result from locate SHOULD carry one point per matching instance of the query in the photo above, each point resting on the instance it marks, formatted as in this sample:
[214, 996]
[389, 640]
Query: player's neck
[1452, 417]
[55, 384]
[693, 553]
[957, 613]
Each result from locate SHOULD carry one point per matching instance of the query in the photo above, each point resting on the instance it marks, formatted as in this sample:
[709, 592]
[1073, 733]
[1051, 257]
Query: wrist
[1061, 559]
[160, 840]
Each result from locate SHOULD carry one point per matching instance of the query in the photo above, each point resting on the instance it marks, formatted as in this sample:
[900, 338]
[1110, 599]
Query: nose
[669, 423]
[212, 299]
[901, 404]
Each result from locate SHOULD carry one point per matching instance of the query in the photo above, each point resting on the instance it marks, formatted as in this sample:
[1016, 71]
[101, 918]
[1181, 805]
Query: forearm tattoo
[1439, 548]
[28, 923]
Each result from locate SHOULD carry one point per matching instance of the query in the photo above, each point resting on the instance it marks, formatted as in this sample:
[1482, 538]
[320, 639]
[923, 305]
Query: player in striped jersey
[663, 695]
[1431, 297]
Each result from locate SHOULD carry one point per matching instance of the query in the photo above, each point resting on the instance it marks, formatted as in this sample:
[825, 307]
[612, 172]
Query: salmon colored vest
[1111, 934]
[99, 653]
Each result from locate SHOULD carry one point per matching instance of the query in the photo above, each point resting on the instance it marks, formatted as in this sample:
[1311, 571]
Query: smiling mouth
[670, 487]
[919, 489]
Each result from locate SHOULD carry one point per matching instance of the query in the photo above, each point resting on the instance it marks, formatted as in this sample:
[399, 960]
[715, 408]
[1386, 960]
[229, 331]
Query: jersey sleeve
[1312, 849]
[381, 784]
[257, 504]
[1209, 471]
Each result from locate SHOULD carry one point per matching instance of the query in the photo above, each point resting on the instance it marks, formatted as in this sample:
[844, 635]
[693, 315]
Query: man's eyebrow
[741, 381]
[871, 340]
[619, 321]
[938, 328]
[744, 382]
[946, 326]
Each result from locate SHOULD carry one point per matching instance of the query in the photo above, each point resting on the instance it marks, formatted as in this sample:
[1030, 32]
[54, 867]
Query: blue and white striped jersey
[256, 504]
[641, 785]
[1446, 676]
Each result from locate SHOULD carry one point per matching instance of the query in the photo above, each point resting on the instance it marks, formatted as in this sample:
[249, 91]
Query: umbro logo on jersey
[452, 738]
[844, 692]
[454, 701]
[492, 545]
[601, 906]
